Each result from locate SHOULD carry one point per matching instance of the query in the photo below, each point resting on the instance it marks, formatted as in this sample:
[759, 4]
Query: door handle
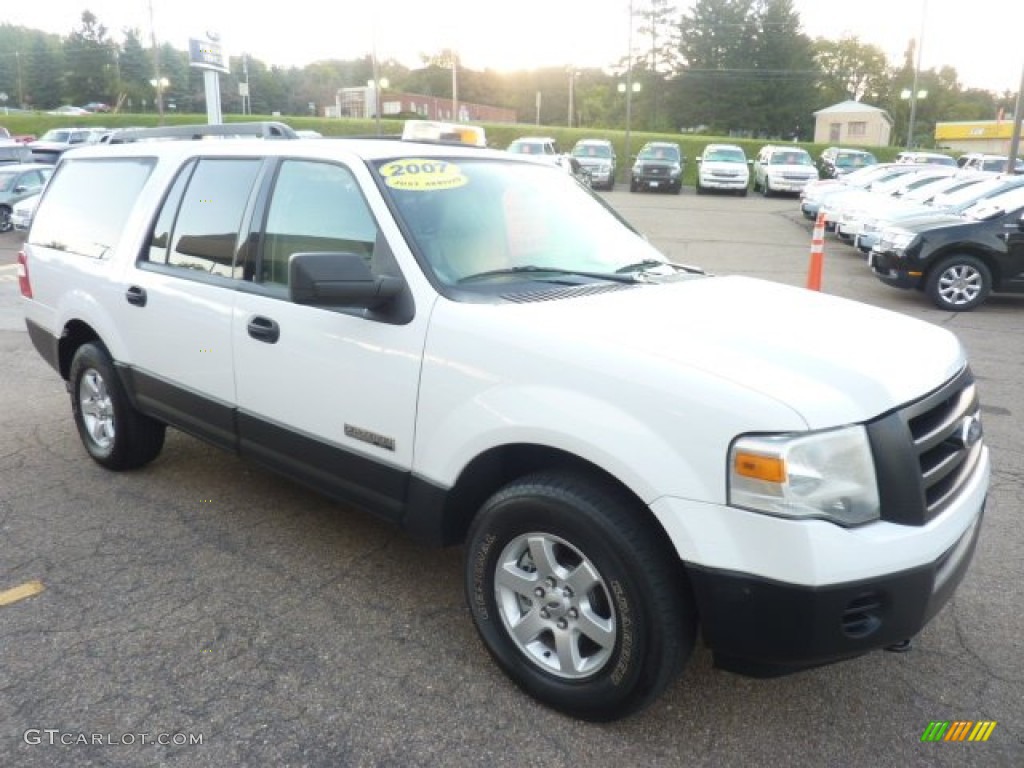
[264, 329]
[136, 295]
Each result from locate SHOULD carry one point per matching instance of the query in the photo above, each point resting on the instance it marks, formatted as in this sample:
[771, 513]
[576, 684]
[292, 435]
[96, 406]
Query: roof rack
[263, 130]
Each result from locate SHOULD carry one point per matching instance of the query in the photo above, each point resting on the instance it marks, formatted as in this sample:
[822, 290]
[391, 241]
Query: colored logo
[958, 730]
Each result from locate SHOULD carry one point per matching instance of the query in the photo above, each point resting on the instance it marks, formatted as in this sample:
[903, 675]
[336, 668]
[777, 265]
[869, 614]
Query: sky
[965, 34]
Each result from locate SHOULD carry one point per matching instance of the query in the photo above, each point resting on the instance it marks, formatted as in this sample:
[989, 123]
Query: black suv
[958, 260]
[658, 166]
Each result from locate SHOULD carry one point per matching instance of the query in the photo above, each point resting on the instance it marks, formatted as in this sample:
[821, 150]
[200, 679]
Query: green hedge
[499, 135]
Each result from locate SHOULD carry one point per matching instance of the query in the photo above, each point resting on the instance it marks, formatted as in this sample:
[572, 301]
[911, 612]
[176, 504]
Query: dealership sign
[207, 53]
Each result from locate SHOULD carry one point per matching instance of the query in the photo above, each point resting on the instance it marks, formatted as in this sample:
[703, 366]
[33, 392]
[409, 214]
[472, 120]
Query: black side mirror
[339, 280]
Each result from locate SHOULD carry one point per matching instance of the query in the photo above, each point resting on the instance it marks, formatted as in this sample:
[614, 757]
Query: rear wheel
[112, 431]
[576, 597]
[959, 283]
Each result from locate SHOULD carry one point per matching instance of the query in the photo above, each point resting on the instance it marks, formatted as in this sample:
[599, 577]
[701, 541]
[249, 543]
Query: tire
[677, 188]
[114, 434]
[743, 192]
[700, 189]
[577, 599]
[959, 283]
[632, 186]
[6, 223]
[766, 188]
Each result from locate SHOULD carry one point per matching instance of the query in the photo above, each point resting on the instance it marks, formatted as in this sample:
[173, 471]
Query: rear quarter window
[87, 203]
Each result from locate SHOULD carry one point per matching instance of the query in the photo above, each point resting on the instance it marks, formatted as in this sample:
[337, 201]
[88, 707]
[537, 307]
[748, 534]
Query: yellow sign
[422, 175]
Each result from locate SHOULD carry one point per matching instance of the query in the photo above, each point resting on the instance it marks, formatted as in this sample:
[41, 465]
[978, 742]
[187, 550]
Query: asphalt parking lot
[202, 600]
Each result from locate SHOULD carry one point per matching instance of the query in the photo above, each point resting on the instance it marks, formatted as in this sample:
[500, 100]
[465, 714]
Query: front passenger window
[315, 207]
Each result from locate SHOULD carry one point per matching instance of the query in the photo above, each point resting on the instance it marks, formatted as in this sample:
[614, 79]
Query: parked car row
[955, 235]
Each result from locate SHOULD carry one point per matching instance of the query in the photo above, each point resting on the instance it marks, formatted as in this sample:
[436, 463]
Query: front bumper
[763, 628]
[887, 267]
[718, 182]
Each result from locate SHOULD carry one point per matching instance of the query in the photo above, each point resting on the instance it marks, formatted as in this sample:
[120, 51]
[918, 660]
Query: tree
[91, 61]
[44, 73]
[136, 69]
[850, 70]
[658, 57]
[785, 71]
[716, 45]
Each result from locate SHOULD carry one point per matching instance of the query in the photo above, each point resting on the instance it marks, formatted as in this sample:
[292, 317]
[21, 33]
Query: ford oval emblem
[970, 431]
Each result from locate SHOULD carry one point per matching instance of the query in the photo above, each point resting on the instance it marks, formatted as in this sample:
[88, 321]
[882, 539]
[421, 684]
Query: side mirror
[338, 280]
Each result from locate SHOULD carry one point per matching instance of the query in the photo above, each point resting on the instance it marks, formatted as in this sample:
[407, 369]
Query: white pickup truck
[478, 349]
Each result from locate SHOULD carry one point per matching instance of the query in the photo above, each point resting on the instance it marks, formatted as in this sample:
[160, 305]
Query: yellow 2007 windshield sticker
[422, 175]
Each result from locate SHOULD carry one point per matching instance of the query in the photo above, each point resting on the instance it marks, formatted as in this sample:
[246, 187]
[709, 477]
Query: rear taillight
[23, 282]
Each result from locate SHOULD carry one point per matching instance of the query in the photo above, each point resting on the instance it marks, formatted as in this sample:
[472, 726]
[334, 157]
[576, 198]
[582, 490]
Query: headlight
[898, 239]
[827, 475]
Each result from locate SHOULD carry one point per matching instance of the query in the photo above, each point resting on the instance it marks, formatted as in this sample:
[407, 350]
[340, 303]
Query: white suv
[478, 349]
[723, 167]
[783, 169]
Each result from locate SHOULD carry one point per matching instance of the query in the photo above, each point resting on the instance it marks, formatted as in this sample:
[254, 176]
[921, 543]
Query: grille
[926, 452]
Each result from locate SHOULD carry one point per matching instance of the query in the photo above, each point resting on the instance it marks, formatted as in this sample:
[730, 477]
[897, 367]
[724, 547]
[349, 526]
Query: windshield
[659, 153]
[7, 181]
[467, 216]
[725, 155]
[996, 205]
[592, 150]
[854, 159]
[55, 134]
[970, 195]
[791, 158]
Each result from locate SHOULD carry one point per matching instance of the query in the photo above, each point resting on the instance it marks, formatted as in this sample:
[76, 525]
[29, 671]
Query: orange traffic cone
[817, 253]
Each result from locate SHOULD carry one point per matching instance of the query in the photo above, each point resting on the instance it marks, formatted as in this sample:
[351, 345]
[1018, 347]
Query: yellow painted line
[28, 589]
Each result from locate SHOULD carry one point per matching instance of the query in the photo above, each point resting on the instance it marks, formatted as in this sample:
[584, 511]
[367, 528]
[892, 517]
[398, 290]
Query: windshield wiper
[535, 269]
[646, 264]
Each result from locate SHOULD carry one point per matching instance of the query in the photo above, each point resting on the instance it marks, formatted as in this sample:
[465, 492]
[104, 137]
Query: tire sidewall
[90, 357]
[629, 672]
[954, 261]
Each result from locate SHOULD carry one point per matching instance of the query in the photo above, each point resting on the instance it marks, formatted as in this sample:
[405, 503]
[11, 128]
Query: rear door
[176, 306]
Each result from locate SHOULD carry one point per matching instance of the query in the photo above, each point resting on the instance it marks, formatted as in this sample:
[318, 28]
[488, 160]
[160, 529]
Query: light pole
[573, 74]
[917, 71]
[1011, 156]
[377, 85]
[628, 86]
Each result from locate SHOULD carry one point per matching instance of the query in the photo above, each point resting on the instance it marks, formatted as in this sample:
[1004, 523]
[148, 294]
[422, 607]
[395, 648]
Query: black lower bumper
[763, 628]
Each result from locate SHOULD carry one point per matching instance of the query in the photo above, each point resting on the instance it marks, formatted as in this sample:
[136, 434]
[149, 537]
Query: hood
[831, 360]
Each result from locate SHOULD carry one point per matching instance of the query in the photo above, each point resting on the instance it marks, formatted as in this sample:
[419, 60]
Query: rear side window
[87, 203]
[198, 226]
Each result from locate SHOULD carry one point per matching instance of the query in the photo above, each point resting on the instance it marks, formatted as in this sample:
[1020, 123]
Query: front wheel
[959, 283]
[576, 597]
[112, 431]
[6, 222]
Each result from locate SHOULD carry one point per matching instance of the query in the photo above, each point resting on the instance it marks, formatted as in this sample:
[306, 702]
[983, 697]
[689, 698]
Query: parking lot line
[26, 590]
